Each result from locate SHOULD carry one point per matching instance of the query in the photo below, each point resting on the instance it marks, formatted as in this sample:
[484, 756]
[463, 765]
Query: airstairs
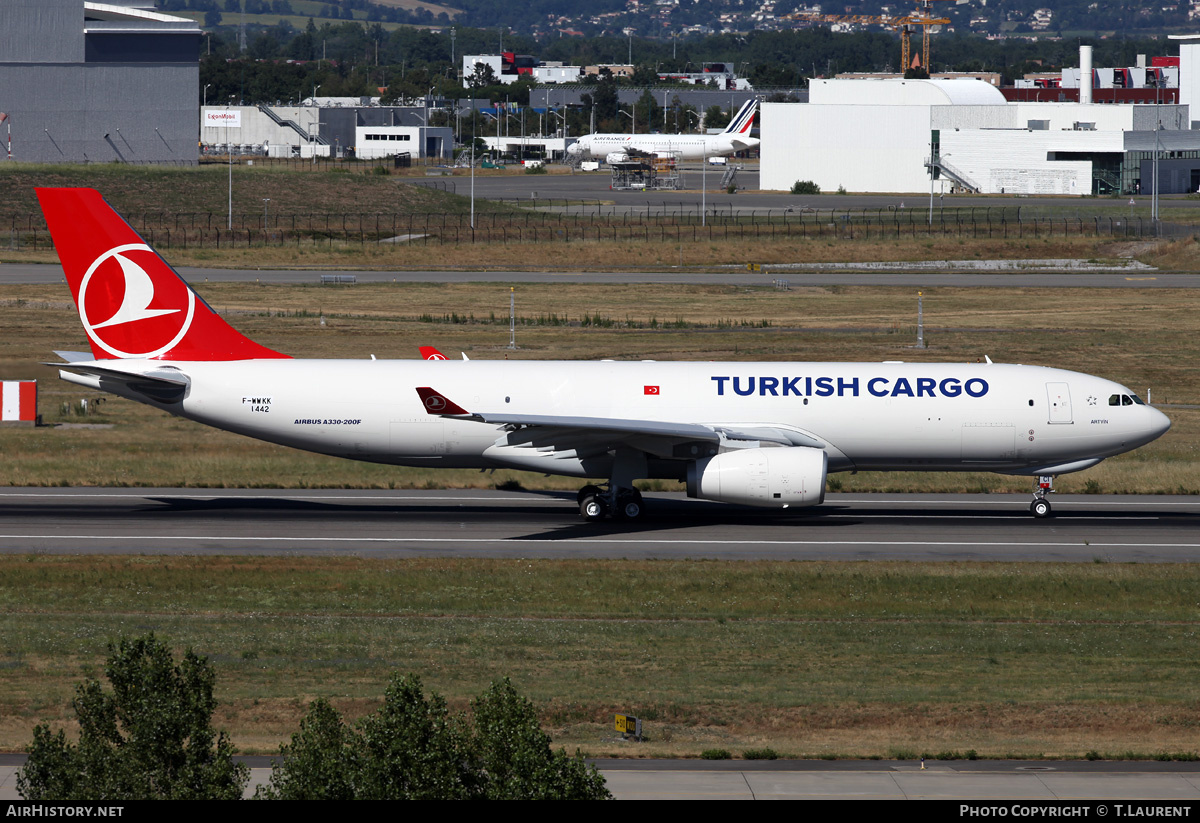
[293, 125]
[959, 177]
[729, 178]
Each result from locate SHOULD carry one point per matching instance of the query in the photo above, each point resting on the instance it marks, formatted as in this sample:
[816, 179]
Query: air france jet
[761, 434]
[620, 148]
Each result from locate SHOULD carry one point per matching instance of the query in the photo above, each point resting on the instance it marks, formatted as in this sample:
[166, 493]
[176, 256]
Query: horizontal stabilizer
[162, 385]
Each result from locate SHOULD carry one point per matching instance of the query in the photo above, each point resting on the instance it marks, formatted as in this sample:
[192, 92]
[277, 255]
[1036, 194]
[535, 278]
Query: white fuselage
[687, 146]
[1004, 418]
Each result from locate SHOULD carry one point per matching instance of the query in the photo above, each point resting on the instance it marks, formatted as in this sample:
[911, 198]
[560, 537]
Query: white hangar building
[880, 136]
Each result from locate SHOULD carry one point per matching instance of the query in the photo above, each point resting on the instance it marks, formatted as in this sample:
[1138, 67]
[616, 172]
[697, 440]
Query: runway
[474, 523]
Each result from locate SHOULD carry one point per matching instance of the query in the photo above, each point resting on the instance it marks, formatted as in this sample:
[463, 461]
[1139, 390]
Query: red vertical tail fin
[132, 304]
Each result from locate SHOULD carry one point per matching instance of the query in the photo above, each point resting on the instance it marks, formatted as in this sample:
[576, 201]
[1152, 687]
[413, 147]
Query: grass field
[1144, 339]
[136, 190]
[811, 659]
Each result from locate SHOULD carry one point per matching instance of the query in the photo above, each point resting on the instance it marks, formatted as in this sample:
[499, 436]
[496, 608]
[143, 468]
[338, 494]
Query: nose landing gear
[1040, 507]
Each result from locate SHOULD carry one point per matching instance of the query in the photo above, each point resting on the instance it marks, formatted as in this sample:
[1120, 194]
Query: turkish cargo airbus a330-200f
[761, 434]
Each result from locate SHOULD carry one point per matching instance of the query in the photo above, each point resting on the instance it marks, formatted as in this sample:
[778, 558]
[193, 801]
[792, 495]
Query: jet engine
[789, 476]
[616, 157]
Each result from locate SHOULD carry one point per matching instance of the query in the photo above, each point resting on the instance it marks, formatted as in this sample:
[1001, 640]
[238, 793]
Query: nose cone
[1151, 425]
[574, 149]
[1159, 423]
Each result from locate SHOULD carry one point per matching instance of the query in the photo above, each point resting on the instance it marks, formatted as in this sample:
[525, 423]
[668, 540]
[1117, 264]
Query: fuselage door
[1059, 397]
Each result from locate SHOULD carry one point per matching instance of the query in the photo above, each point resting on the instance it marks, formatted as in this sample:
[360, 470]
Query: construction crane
[921, 16]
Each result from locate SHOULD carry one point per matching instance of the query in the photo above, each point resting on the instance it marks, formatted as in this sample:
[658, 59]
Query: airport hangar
[882, 136]
[92, 82]
[324, 127]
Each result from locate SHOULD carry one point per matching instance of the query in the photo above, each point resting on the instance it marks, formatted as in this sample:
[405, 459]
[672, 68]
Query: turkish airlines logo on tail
[435, 403]
[116, 299]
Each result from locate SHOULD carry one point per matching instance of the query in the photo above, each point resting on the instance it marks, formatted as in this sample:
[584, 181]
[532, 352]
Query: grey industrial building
[85, 82]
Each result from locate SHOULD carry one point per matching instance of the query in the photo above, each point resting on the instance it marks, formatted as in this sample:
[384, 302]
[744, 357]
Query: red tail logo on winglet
[437, 403]
[132, 304]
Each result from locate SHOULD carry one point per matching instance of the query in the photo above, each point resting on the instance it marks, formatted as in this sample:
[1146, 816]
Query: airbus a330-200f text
[759, 434]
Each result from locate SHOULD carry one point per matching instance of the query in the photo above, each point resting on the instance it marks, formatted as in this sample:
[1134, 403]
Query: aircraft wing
[589, 435]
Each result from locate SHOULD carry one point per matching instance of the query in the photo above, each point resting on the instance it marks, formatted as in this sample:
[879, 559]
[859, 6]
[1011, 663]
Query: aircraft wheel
[630, 506]
[585, 491]
[593, 508]
[1040, 508]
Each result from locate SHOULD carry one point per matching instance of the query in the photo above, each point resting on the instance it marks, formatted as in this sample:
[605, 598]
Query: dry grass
[606, 256]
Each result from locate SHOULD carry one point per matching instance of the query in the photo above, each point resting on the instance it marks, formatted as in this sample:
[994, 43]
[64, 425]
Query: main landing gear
[1040, 507]
[596, 503]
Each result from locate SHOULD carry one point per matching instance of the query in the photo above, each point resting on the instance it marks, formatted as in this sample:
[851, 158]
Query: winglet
[437, 403]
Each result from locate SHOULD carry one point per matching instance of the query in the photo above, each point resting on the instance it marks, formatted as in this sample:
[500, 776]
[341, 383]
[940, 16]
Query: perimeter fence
[541, 221]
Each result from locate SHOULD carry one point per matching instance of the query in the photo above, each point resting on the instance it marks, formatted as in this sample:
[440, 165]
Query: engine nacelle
[791, 476]
[616, 157]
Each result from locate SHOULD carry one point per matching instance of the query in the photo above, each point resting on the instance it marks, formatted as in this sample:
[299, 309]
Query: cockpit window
[1126, 400]
[1137, 400]
[1114, 400]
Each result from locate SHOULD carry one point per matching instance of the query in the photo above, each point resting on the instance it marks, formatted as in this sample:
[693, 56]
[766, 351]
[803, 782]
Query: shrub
[760, 754]
[805, 187]
[716, 754]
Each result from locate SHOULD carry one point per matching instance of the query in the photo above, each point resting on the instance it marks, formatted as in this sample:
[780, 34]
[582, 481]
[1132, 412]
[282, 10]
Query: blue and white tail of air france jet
[762, 434]
[620, 148]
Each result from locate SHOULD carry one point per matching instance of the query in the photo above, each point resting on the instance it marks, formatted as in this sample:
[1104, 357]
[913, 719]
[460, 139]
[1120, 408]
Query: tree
[320, 762]
[514, 755]
[150, 738]
[483, 75]
[716, 117]
[412, 748]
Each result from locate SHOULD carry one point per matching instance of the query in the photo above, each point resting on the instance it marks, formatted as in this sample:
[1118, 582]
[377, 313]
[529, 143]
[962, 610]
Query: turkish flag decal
[650, 390]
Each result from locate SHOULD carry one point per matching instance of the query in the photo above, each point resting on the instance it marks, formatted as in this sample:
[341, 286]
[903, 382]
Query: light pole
[934, 160]
[632, 118]
[920, 320]
[206, 85]
[1157, 144]
[566, 130]
[230, 147]
[316, 116]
